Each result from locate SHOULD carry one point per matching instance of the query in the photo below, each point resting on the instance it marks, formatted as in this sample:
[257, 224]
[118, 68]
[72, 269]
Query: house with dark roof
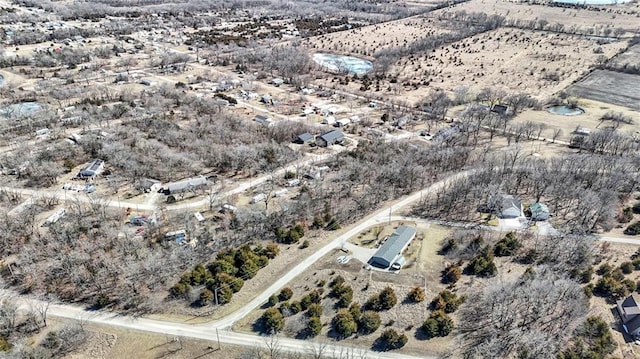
[629, 312]
[91, 169]
[263, 120]
[390, 253]
[304, 138]
[330, 138]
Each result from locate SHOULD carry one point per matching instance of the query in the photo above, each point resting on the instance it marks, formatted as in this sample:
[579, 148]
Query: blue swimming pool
[346, 64]
[565, 110]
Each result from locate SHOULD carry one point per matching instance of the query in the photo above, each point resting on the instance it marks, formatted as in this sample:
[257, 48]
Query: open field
[593, 22]
[610, 87]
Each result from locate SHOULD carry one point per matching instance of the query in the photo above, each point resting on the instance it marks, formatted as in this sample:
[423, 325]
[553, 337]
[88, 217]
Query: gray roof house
[539, 211]
[510, 207]
[629, 312]
[304, 138]
[263, 120]
[389, 253]
[330, 138]
[91, 169]
[186, 185]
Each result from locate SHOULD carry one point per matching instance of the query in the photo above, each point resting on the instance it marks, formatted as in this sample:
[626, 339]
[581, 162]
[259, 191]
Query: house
[54, 217]
[390, 252]
[509, 207]
[277, 82]
[329, 120]
[146, 82]
[342, 122]
[263, 120]
[281, 192]
[629, 312]
[147, 185]
[293, 182]
[260, 197]
[539, 211]
[330, 138]
[227, 208]
[304, 138]
[186, 185]
[91, 169]
[499, 109]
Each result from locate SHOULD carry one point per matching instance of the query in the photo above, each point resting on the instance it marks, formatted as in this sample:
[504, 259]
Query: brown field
[610, 87]
[619, 16]
[365, 41]
[540, 63]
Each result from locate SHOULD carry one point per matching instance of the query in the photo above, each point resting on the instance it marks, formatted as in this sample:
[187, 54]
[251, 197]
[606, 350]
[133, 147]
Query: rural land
[309, 179]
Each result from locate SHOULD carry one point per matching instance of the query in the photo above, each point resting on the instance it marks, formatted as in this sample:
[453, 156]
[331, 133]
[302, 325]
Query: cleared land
[611, 87]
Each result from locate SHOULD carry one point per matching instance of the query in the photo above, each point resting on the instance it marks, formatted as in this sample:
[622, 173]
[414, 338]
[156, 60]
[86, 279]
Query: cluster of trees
[534, 314]
[384, 300]
[341, 291]
[19, 325]
[583, 191]
[225, 275]
[461, 24]
[593, 340]
[613, 283]
[273, 319]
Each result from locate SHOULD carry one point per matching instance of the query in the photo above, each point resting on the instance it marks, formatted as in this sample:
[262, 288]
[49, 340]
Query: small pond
[339, 63]
[592, 2]
[20, 109]
[565, 110]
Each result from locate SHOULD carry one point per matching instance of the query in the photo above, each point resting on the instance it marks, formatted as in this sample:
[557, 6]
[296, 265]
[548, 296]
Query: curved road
[208, 330]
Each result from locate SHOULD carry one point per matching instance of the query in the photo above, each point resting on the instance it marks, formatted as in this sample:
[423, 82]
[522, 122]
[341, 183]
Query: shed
[263, 120]
[330, 138]
[539, 211]
[393, 247]
[304, 138]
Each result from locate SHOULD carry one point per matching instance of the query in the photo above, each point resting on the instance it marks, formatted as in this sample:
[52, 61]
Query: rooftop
[395, 243]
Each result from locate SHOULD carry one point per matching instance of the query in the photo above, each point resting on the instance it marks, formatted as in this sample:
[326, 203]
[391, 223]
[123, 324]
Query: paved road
[207, 330]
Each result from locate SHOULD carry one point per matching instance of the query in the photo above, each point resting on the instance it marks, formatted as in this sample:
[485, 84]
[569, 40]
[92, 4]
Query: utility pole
[215, 295]
[218, 336]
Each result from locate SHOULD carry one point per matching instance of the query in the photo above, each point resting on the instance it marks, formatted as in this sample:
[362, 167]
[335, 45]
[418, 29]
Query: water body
[592, 2]
[20, 109]
[565, 110]
[339, 63]
[1, 79]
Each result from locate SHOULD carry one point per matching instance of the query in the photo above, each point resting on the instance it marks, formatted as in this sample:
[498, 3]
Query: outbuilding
[391, 251]
[510, 207]
[330, 138]
[186, 185]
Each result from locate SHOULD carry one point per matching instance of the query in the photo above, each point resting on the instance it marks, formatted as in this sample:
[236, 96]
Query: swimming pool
[20, 109]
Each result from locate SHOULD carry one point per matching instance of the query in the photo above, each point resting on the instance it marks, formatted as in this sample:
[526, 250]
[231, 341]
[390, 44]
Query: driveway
[359, 253]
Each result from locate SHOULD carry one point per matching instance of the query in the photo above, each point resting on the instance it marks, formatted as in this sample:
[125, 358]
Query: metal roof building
[91, 169]
[189, 184]
[393, 247]
[330, 138]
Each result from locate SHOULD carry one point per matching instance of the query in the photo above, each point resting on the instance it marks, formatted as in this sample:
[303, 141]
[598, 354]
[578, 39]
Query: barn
[391, 251]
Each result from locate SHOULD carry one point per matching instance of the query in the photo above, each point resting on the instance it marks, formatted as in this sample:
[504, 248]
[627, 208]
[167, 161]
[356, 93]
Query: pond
[565, 110]
[1, 79]
[339, 63]
[20, 109]
[592, 2]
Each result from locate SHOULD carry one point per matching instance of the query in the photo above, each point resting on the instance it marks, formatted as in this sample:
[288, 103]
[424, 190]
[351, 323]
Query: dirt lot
[610, 87]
